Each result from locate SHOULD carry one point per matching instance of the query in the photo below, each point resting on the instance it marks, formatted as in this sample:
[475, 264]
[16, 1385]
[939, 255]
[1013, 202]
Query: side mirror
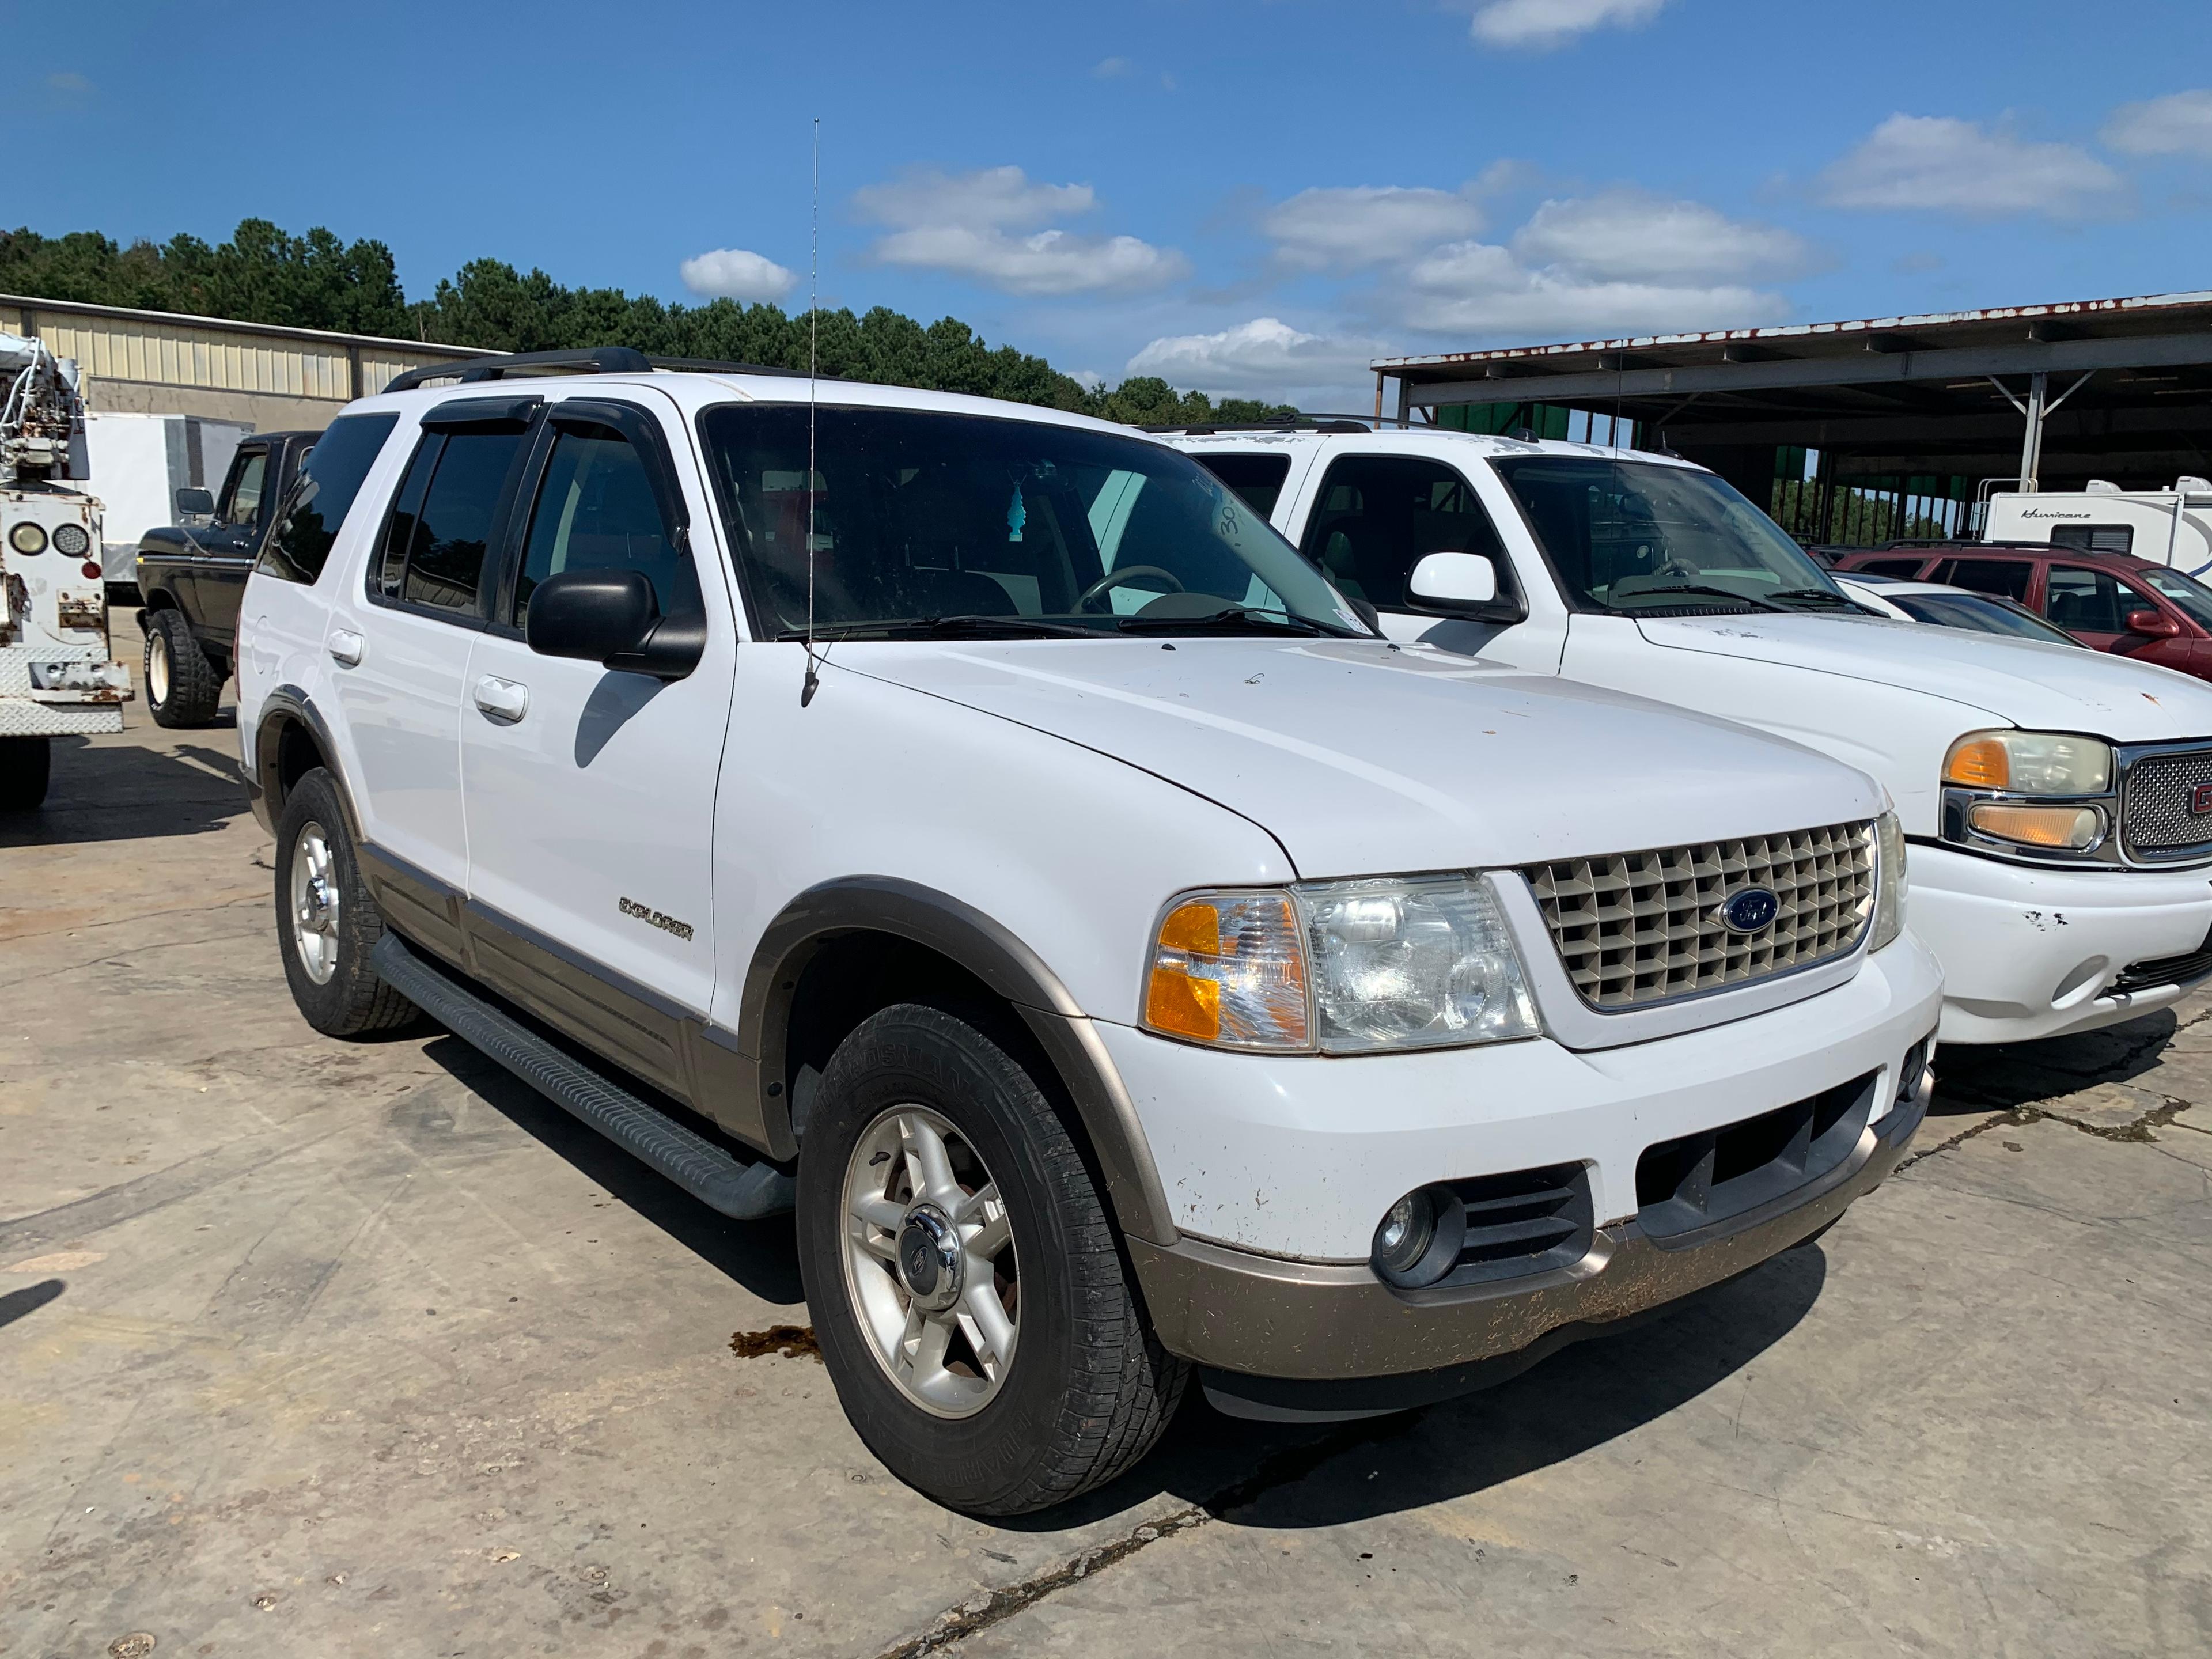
[194, 505]
[1461, 585]
[2152, 625]
[611, 617]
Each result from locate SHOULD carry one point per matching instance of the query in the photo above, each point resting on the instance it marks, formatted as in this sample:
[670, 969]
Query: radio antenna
[813, 681]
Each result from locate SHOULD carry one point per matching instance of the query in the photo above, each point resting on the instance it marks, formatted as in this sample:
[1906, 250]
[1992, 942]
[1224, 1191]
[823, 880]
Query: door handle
[345, 647]
[502, 700]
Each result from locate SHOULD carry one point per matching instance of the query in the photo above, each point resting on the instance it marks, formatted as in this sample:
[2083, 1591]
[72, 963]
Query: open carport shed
[1925, 412]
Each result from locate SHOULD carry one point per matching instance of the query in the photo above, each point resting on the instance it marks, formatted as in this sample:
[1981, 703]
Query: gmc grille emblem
[2200, 800]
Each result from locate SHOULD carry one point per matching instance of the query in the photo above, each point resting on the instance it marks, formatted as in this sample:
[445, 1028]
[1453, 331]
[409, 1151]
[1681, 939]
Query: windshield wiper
[1290, 622]
[1751, 601]
[1821, 595]
[925, 627]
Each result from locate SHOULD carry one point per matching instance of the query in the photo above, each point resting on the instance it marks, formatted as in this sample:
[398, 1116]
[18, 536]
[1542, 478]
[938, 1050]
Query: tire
[182, 686]
[26, 766]
[1088, 1390]
[333, 984]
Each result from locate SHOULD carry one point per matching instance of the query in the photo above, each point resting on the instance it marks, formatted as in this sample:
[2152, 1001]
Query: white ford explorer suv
[1124, 961]
[2059, 801]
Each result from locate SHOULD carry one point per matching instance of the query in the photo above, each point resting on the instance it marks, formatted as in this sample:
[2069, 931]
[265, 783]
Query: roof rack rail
[600, 359]
[597, 360]
[1302, 421]
[716, 366]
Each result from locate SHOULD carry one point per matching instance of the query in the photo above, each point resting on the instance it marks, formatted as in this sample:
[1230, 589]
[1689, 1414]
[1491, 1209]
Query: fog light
[2069, 828]
[1412, 1245]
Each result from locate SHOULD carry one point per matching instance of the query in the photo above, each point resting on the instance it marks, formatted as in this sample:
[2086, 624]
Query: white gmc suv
[972, 825]
[2059, 801]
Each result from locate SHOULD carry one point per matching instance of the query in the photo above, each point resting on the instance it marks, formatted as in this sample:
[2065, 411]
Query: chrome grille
[1637, 928]
[2155, 804]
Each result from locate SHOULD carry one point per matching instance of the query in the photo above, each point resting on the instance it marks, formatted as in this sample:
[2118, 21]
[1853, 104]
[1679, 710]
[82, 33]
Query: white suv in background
[2059, 801]
[1125, 960]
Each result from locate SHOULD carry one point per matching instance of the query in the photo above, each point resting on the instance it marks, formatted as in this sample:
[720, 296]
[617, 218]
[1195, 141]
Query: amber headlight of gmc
[1340, 966]
[1999, 788]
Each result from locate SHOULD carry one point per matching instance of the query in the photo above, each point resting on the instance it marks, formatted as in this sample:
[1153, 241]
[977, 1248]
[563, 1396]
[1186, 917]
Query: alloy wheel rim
[315, 895]
[929, 1262]
[157, 669]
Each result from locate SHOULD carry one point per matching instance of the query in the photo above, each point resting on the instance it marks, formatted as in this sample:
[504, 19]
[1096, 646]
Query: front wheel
[967, 1290]
[327, 922]
[182, 686]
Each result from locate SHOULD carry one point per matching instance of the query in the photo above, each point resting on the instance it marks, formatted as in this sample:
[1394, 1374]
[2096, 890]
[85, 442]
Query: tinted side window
[2007, 577]
[241, 491]
[1890, 567]
[442, 524]
[595, 511]
[330, 478]
[2094, 537]
[2086, 601]
[1379, 514]
[1257, 479]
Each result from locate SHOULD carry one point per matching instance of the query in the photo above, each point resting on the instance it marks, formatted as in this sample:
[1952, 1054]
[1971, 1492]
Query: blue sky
[1253, 197]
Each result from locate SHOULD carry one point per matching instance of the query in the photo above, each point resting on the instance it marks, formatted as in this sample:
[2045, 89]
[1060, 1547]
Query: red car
[2112, 601]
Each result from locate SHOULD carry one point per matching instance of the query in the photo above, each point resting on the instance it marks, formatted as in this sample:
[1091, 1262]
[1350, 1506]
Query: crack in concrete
[2137, 1132]
[984, 1608]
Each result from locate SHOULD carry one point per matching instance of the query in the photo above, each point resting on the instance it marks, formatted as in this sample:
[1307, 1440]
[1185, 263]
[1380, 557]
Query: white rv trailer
[2166, 527]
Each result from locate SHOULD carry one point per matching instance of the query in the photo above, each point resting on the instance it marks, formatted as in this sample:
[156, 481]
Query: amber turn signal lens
[1979, 763]
[2069, 827]
[1231, 969]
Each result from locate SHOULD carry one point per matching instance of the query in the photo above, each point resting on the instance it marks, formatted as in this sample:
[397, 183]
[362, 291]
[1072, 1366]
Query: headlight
[1345, 967]
[1889, 883]
[2029, 763]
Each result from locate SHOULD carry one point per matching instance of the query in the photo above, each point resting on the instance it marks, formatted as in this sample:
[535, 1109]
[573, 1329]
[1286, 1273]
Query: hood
[2023, 683]
[1366, 759]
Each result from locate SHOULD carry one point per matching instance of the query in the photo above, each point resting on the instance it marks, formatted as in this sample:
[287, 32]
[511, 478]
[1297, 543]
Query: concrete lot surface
[317, 1348]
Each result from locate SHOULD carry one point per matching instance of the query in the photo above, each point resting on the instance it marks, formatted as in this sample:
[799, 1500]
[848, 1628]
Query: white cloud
[732, 273]
[1630, 235]
[1541, 25]
[1367, 224]
[1941, 162]
[1110, 69]
[968, 224]
[1474, 289]
[994, 197]
[1264, 358]
[2179, 124]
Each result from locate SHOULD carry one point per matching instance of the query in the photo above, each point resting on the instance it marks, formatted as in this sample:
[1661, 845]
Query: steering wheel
[1678, 567]
[1114, 579]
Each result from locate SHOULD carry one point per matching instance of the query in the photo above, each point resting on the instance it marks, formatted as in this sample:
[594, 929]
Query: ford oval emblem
[1748, 910]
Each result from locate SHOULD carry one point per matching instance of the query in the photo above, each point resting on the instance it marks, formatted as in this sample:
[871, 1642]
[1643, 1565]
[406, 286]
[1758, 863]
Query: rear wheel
[182, 686]
[327, 923]
[963, 1275]
[26, 765]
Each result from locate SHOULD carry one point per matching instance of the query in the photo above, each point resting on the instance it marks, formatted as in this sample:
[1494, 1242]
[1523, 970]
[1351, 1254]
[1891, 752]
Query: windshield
[1981, 613]
[2192, 596]
[1635, 537]
[964, 524]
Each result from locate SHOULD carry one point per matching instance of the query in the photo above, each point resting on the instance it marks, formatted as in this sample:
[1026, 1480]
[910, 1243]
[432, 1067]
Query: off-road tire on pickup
[1089, 1390]
[182, 686]
[352, 1001]
[26, 766]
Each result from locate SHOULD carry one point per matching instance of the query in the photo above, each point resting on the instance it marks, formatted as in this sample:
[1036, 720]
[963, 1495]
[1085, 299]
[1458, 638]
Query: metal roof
[2129, 381]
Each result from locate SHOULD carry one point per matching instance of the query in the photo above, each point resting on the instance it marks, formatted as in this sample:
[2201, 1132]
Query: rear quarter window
[330, 478]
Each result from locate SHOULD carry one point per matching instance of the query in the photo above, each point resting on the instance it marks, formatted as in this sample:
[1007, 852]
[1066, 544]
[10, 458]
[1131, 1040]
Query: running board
[746, 1191]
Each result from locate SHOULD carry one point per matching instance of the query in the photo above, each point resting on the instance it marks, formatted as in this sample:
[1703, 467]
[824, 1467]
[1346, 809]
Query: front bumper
[1292, 1340]
[2031, 952]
